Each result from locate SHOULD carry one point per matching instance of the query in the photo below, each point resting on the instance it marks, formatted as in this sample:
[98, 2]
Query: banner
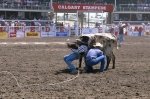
[16, 31]
[147, 33]
[47, 34]
[12, 34]
[3, 35]
[32, 34]
[12, 31]
[82, 7]
[89, 30]
[47, 31]
[32, 31]
[62, 34]
[20, 34]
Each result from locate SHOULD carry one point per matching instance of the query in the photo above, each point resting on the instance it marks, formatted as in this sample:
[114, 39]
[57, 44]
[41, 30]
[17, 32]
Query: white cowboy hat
[98, 45]
[123, 24]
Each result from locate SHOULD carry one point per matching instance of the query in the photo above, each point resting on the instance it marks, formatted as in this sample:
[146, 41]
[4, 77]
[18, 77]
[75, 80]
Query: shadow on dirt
[95, 71]
[62, 71]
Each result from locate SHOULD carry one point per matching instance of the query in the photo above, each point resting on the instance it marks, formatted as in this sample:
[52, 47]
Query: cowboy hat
[98, 45]
[83, 40]
[79, 41]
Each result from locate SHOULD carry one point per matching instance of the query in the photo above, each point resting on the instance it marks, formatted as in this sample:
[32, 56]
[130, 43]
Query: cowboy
[79, 50]
[95, 56]
[121, 34]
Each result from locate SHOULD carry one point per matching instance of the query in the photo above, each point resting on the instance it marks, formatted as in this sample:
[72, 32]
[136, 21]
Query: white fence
[33, 31]
[61, 31]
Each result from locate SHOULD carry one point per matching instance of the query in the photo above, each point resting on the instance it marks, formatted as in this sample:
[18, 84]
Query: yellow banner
[147, 33]
[32, 34]
[3, 35]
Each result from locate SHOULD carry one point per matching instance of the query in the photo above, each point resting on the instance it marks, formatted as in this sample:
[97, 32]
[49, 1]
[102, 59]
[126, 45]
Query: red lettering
[1, 29]
[47, 29]
[75, 7]
[32, 29]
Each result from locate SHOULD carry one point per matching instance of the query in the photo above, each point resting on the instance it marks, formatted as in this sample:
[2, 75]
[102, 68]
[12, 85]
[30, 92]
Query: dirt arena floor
[34, 69]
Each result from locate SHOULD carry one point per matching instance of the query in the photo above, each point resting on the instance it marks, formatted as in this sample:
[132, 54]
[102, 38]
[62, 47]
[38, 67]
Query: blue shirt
[93, 53]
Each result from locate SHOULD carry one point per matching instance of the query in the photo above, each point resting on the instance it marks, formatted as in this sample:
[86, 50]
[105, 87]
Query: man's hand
[72, 45]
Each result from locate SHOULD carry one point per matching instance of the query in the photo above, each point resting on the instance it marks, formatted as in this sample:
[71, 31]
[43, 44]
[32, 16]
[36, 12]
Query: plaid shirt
[81, 49]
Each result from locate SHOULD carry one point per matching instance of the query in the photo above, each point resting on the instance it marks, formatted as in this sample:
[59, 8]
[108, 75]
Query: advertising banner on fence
[89, 30]
[20, 34]
[33, 31]
[47, 32]
[16, 32]
[32, 34]
[12, 34]
[3, 35]
[62, 34]
[12, 31]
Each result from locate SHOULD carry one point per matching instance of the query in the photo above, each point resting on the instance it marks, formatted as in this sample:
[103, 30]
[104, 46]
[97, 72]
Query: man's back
[93, 53]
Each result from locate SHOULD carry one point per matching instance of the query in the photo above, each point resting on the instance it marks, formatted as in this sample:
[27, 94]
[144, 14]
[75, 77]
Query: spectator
[121, 34]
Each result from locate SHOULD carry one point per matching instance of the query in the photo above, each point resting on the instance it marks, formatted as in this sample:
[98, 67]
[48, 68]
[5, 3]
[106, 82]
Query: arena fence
[46, 30]
[40, 31]
[32, 31]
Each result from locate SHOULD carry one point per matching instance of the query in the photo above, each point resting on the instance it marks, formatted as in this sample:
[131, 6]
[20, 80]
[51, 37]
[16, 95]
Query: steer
[109, 41]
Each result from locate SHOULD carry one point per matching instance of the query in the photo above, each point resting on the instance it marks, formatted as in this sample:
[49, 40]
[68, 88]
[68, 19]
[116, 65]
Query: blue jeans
[94, 61]
[69, 59]
[120, 39]
[140, 33]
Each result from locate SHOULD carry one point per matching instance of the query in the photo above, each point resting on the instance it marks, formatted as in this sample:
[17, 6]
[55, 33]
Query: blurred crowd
[138, 5]
[16, 17]
[133, 5]
[133, 1]
[85, 1]
[134, 17]
[24, 2]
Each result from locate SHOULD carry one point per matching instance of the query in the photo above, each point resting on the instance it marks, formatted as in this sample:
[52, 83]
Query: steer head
[91, 39]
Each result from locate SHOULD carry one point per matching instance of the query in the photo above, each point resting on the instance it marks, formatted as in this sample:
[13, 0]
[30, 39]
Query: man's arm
[72, 45]
[82, 50]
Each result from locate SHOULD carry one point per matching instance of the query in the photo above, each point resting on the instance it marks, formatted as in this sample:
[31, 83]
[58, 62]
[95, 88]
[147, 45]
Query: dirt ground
[37, 71]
